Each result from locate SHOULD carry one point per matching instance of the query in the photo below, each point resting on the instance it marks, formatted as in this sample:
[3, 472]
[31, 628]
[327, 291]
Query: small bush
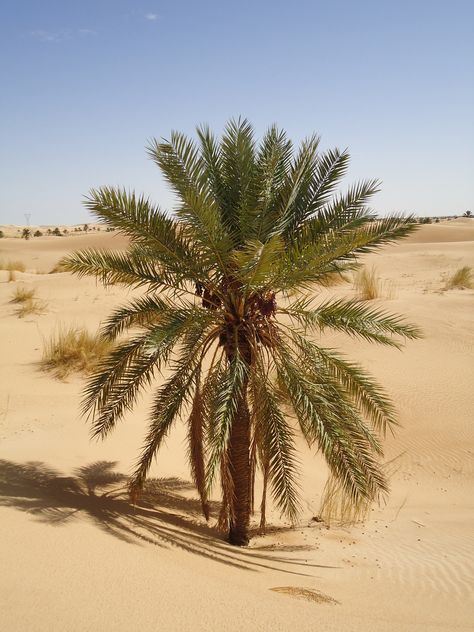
[2, 234]
[461, 279]
[56, 232]
[73, 350]
[30, 307]
[367, 284]
[22, 294]
[37, 233]
[17, 266]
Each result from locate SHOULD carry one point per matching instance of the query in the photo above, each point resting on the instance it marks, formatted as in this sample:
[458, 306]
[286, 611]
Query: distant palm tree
[231, 283]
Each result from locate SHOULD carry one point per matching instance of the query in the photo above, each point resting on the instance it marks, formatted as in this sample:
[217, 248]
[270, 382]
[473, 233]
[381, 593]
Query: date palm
[230, 307]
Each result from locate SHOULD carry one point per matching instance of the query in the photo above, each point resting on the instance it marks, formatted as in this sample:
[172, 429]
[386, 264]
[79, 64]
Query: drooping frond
[175, 393]
[326, 418]
[359, 386]
[223, 408]
[114, 386]
[276, 442]
[195, 435]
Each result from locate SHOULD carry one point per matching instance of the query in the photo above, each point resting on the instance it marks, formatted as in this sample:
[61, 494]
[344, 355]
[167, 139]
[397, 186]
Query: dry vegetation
[73, 350]
[23, 294]
[338, 508]
[12, 267]
[462, 279]
[368, 285]
[27, 303]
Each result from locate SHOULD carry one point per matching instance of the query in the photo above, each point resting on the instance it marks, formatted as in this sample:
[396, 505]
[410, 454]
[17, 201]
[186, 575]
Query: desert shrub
[17, 266]
[367, 284]
[23, 294]
[56, 232]
[2, 234]
[12, 267]
[30, 307]
[26, 233]
[37, 233]
[461, 279]
[425, 220]
[73, 350]
[338, 508]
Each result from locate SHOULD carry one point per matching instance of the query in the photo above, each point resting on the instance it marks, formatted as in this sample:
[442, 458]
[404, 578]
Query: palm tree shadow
[165, 515]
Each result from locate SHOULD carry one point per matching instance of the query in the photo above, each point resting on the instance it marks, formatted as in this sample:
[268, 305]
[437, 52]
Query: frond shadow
[166, 515]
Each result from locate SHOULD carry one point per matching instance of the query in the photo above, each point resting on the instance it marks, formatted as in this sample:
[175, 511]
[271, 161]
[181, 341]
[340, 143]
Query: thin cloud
[151, 17]
[61, 35]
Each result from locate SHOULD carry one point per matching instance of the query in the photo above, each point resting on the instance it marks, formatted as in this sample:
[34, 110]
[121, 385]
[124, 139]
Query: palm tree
[230, 302]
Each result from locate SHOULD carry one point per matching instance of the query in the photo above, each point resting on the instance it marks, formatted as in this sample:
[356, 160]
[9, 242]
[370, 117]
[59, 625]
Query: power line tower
[28, 217]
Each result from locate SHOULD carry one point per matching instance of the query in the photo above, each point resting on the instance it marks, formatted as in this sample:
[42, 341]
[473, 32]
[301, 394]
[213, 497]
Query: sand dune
[76, 556]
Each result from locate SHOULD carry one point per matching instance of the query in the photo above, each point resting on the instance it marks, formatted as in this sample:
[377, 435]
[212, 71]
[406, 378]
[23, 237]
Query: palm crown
[226, 308]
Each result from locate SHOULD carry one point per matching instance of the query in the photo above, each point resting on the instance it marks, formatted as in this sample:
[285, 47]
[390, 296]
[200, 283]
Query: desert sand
[75, 556]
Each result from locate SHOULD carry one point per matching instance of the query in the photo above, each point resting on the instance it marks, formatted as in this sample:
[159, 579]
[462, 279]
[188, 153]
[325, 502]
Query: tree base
[238, 538]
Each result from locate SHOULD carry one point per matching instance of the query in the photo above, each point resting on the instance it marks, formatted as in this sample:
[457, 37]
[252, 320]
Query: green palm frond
[225, 402]
[358, 385]
[354, 318]
[276, 442]
[326, 418]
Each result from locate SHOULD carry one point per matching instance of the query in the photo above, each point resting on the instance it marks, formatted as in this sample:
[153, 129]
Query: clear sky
[85, 84]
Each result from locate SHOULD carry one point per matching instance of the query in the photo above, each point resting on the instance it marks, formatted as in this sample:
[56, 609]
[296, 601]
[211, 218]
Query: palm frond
[354, 318]
[277, 443]
[223, 409]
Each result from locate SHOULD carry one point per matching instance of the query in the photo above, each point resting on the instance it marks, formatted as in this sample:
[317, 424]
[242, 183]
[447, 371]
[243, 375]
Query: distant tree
[2, 234]
[65, 231]
[425, 220]
[437, 220]
[56, 232]
[26, 233]
[49, 231]
[85, 228]
[38, 233]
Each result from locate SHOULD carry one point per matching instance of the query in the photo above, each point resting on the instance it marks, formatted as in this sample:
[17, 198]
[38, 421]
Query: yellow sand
[74, 559]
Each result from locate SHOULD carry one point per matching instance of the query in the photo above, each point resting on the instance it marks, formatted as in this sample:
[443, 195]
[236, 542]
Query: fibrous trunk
[240, 472]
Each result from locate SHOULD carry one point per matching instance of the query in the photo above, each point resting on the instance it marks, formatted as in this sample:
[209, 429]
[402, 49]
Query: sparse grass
[462, 279]
[23, 294]
[367, 284]
[17, 266]
[12, 267]
[340, 509]
[73, 350]
[30, 307]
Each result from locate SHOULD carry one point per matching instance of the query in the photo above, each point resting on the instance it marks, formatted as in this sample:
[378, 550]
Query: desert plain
[75, 555]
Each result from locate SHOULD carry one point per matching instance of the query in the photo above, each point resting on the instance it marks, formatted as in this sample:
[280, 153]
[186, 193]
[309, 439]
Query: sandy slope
[78, 560]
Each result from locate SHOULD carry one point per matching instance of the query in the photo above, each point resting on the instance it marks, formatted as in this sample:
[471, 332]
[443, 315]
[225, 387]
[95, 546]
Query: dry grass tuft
[30, 307]
[17, 266]
[340, 509]
[367, 284]
[23, 294]
[73, 350]
[461, 279]
[12, 267]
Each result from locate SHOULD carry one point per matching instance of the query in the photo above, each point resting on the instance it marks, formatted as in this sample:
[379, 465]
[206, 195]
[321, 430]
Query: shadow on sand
[164, 516]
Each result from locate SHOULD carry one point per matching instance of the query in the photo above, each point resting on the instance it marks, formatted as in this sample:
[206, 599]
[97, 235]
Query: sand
[75, 556]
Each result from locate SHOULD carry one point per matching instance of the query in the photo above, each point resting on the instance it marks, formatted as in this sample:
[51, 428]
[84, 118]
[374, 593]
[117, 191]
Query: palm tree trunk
[240, 472]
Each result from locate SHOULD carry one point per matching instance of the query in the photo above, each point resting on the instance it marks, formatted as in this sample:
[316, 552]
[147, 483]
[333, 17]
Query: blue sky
[85, 84]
